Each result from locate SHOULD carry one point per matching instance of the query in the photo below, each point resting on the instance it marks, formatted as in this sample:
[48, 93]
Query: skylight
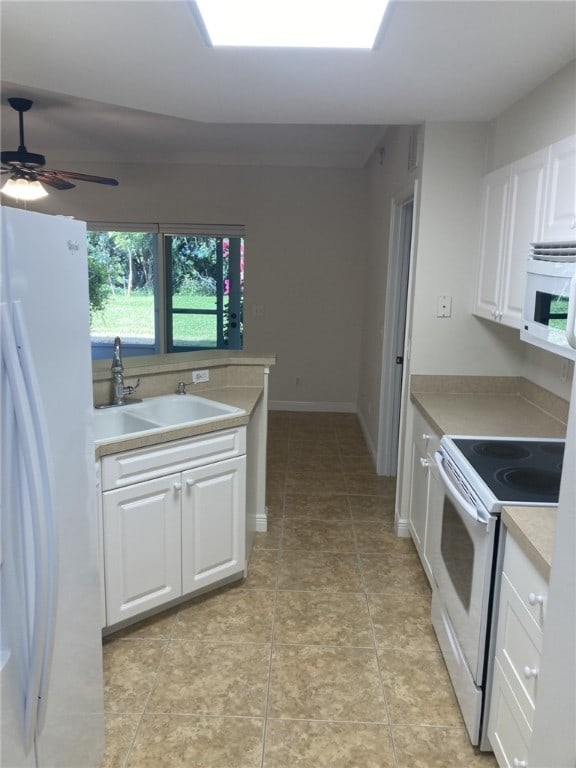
[292, 23]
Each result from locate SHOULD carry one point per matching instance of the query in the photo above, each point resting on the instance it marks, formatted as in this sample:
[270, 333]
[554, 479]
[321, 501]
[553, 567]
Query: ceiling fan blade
[52, 180]
[83, 177]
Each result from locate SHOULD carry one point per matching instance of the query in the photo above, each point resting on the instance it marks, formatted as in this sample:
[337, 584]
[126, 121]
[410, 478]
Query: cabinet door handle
[519, 763]
[189, 482]
[530, 672]
[177, 486]
[535, 599]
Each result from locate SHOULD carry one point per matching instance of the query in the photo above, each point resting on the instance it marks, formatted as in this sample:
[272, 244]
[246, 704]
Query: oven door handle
[476, 514]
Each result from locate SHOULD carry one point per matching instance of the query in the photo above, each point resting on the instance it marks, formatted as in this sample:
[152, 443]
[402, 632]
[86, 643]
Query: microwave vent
[565, 251]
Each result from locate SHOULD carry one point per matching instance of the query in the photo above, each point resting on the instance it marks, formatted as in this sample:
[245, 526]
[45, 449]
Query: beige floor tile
[374, 536]
[119, 735]
[211, 679]
[305, 744]
[318, 535]
[178, 741]
[314, 450]
[325, 683]
[231, 615]
[130, 668]
[319, 571]
[352, 464]
[315, 482]
[271, 538]
[350, 445]
[319, 618]
[370, 484]
[438, 748]
[418, 689]
[328, 507]
[372, 508]
[157, 627]
[262, 570]
[394, 575]
[317, 462]
[402, 621]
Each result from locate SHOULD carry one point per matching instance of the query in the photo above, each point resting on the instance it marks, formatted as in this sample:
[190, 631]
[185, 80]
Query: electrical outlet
[444, 306]
[199, 377]
[565, 367]
[258, 310]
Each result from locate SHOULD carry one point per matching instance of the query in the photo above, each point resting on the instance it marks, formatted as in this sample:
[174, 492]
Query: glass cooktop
[516, 470]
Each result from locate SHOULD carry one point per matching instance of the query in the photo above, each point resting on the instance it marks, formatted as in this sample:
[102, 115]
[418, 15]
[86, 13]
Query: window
[166, 289]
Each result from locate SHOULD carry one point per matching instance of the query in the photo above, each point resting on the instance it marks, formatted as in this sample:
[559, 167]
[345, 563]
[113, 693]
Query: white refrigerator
[50, 631]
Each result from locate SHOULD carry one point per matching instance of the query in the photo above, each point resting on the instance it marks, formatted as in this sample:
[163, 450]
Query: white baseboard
[312, 406]
[261, 522]
[402, 529]
[367, 437]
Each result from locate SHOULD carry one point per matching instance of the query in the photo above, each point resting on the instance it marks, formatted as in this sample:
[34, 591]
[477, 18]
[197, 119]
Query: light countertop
[505, 415]
[533, 529]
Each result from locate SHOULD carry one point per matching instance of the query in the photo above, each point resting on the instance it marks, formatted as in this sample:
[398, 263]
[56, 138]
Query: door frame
[396, 338]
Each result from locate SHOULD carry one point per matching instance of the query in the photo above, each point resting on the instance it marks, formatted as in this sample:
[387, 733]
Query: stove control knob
[519, 763]
[535, 599]
[530, 672]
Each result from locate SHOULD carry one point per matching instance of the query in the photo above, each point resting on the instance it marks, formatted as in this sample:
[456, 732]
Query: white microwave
[549, 313]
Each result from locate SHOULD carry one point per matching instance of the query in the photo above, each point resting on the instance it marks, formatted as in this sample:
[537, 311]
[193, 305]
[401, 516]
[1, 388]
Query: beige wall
[305, 246]
[545, 115]
[389, 180]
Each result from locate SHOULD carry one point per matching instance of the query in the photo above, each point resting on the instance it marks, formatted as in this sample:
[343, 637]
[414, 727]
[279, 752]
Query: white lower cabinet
[175, 534]
[213, 527]
[142, 549]
[518, 647]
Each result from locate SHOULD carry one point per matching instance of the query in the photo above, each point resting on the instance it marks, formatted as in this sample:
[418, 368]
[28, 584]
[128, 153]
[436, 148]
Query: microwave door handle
[571, 319]
[470, 509]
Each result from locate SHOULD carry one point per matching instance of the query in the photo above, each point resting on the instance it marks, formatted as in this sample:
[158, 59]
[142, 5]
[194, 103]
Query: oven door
[462, 551]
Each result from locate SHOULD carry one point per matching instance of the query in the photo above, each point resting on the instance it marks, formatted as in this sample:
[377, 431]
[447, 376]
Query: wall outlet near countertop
[199, 377]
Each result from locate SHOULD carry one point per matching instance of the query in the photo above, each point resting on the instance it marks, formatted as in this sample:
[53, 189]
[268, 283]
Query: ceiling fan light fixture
[22, 189]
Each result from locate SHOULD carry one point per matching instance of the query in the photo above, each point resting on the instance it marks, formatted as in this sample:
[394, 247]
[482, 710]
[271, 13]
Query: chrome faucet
[119, 390]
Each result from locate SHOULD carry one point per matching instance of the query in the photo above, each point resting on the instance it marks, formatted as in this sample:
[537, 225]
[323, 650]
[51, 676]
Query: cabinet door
[492, 243]
[560, 202]
[524, 227]
[213, 523]
[418, 498]
[142, 547]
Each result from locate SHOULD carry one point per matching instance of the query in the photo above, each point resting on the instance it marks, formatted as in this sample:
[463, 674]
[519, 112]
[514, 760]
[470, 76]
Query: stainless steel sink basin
[155, 413]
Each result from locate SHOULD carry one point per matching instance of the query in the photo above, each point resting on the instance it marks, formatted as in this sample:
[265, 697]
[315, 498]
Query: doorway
[393, 354]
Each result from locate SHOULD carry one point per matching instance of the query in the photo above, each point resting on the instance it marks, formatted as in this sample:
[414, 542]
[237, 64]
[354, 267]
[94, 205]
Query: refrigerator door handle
[35, 473]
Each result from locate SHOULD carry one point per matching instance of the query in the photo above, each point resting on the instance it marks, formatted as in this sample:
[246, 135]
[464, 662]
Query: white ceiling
[134, 80]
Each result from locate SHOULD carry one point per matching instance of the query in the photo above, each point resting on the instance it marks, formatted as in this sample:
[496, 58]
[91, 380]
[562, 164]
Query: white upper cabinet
[511, 219]
[559, 223]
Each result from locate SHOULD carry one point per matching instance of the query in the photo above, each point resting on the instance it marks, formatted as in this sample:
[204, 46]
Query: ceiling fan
[29, 167]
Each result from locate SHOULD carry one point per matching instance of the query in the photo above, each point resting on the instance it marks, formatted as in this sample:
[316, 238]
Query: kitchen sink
[115, 422]
[183, 409]
[155, 413]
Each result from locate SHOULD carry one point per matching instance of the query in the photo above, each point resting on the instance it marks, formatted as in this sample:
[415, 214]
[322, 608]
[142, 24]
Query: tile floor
[324, 657]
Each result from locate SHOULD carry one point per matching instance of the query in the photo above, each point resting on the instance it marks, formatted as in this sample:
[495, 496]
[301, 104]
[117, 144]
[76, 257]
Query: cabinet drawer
[425, 439]
[531, 587]
[147, 463]
[519, 647]
[508, 732]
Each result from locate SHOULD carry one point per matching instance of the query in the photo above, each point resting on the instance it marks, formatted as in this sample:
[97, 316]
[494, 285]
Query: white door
[213, 523]
[524, 227]
[142, 554]
[492, 243]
